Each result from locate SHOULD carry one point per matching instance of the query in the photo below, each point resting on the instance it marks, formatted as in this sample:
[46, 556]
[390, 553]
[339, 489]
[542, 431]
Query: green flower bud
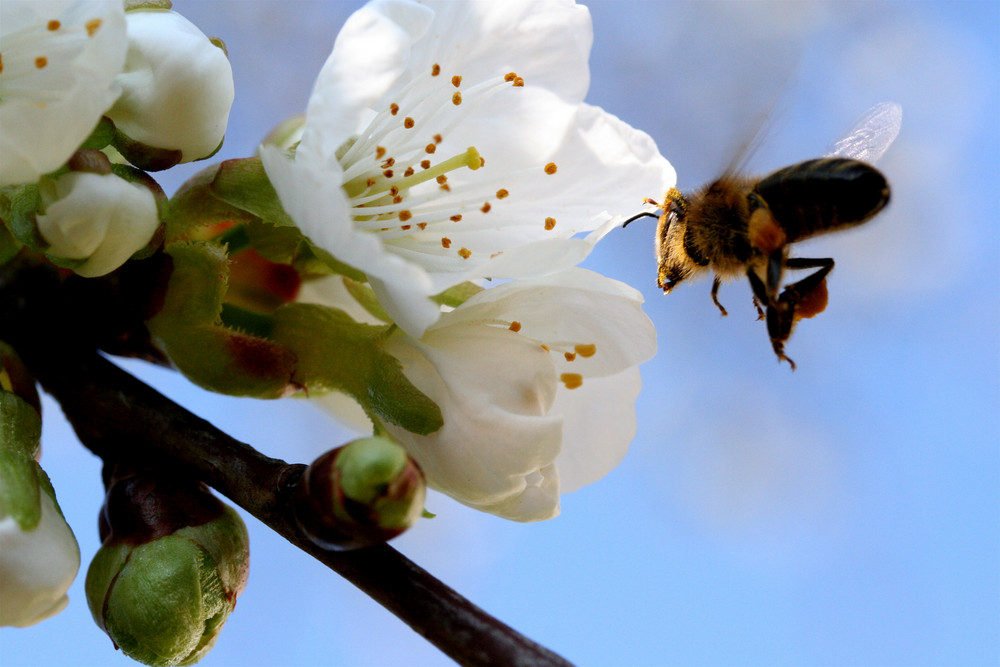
[173, 561]
[363, 493]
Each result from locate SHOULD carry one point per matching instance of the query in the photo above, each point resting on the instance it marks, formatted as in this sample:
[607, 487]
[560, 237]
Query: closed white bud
[177, 86]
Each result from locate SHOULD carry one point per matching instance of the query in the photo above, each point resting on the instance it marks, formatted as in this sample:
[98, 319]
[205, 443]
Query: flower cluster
[144, 85]
[406, 254]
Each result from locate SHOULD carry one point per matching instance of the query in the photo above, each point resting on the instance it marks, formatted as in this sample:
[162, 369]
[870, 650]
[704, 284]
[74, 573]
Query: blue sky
[844, 514]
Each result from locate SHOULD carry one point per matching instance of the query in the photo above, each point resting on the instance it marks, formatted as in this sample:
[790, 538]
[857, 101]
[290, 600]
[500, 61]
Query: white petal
[599, 423]
[102, 218]
[494, 389]
[36, 567]
[177, 86]
[46, 111]
[371, 52]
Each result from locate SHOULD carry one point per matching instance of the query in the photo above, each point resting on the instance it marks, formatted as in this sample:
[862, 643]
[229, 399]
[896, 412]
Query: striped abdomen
[822, 195]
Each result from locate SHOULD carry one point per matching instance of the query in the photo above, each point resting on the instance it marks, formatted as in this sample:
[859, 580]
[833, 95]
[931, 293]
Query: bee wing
[871, 136]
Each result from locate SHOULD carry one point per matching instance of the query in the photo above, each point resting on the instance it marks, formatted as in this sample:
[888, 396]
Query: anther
[405, 215]
[550, 223]
[465, 253]
[379, 152]
[425, 164]
[53, 25]
[571, 380]
[551, 168]
[408, 122]
[92, 25]
[569, 356]
[41, 62]
[456, 81]
[394, 108]
[445, 242]
[486, 207]
[456, 218]
[501, 193]
[435, 70]
[430, 148]
[585, 351]
[515, 326]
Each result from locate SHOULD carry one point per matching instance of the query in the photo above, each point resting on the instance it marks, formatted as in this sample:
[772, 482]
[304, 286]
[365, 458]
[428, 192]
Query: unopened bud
[173, 560]
[363, 493]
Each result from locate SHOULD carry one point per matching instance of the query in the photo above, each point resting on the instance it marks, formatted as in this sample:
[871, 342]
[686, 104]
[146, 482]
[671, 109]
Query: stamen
[53, 25]
[515, 326]
[571, 380]
[550, 223]
[435, 70]
[570, 356]
[394, 108]
[465, 253]
[551, 168]
[445, 242]
[41, 62]
[486, 207]
[408, 123]
[456, 81]
[501, 193]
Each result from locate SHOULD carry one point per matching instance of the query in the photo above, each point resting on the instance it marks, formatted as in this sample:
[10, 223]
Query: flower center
[34, 62]
[397, 184]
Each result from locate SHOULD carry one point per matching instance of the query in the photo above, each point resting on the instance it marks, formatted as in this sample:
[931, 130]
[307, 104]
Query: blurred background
[844, 514]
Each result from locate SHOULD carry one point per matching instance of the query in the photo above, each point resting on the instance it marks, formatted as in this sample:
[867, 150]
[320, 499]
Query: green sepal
[337, 353]
[131, 5]
[194, 206]
[102, 135]
[206, 351]
[366, 298]
[18, 206]
[455, 296]
[9, 245]
[20, 430]
[164, 602]
[243, 183]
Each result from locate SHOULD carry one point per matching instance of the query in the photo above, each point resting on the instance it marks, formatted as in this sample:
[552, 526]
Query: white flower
[59, 62]
[37, 566]
[97, 217]
[449, 142]
[177, 87]
[536, 380]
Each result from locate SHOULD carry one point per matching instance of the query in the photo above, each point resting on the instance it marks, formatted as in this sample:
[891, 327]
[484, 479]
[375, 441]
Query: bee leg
[760, 311]
[808, 296]
[780, 316]
[715, 295]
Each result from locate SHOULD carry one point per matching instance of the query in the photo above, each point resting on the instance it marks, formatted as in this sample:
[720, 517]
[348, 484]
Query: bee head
[674, 264]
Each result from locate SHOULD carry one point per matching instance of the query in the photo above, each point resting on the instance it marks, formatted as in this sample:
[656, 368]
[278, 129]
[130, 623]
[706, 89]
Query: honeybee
[739, 225]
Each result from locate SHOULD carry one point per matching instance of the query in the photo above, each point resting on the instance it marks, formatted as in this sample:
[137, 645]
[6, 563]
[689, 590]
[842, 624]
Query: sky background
[844, 514]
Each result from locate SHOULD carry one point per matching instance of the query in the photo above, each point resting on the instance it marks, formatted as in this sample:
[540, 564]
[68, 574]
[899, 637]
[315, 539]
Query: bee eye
[755, 201]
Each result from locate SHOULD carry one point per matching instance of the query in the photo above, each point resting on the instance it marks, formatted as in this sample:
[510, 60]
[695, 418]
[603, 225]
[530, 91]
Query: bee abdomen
[821, 195]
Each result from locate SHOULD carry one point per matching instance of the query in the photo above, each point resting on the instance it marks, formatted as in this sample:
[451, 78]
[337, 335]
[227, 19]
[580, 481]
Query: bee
[743, 226]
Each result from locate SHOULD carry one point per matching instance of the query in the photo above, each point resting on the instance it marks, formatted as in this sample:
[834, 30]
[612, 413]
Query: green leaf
[19, 204]
[9, 246]
[337, 353]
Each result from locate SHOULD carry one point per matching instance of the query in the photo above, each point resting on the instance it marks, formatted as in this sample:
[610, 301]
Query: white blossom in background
[101, 218]
[536, 380]
[37, 566]
[59, 62]
[448, 141]
[177, 86]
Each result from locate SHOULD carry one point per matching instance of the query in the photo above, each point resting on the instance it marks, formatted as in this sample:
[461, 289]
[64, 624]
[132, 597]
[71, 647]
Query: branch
[117, 416]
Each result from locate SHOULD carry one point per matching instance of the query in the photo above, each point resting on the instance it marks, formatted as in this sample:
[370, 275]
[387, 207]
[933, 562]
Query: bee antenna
[639, 215]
